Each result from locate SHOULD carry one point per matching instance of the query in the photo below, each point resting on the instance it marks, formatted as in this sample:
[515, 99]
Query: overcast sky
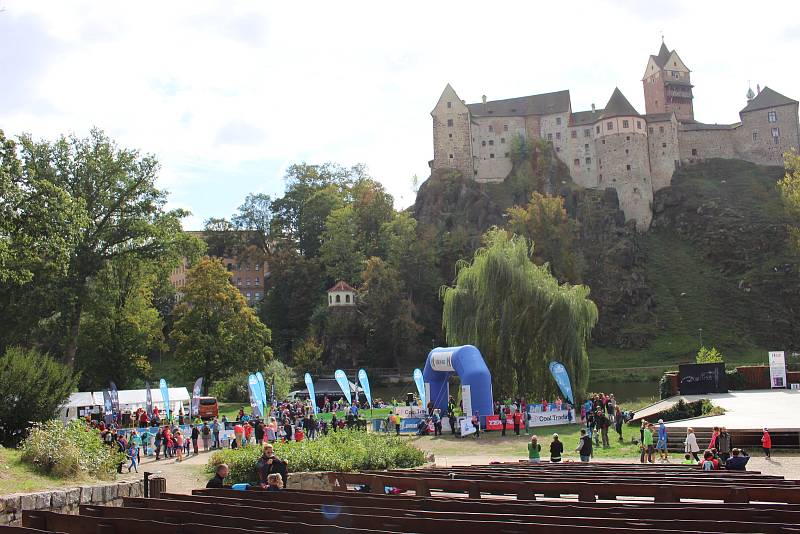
[228, 94]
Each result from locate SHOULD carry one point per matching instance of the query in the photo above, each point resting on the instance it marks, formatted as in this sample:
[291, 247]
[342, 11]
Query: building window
[694, 152]
[258, 267]
[627, 137]
[483, 143]
[627, 151]
[755, 136]
[772, 116]
[586, 146]
[656, 102]
[347, 298]
[776, 134]
[505, 155]
[491, 128]
[558, 135]
[587, 132]
[663, 145]
[588, 161]
[450, 136]
[502, 140]
[609, 125]
[625, 123]
[574, 134]
[451, 156]
[549, 137]
[638, 125]
[598, 129]
[238, 281]
[558, 121]
[449, 105]
[247, 282]
[338, 299]
[627, 167]
[505, 127]
[558, 149]
[449, 123]
[491, 142]
[257, 281]
[258, 296]
[661, 129]
[650, 130]
[249, 296]
[491, 156]
[603, 141]
[576, 162]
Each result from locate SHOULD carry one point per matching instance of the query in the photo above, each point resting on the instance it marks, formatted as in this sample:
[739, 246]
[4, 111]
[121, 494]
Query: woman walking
[690, 444]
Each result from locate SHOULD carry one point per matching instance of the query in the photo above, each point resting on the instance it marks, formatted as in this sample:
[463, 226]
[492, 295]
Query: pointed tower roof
[663, 55]
[767, 98]
[618, 106]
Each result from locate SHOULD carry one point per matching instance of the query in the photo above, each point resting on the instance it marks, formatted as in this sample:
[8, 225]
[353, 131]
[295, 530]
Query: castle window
[558, 149]
[656, 102]
[574, 134]
[609, 125]
[558, 135]
[627, 137]
[755, 136]
[587, 132]
[451, 156]
[638, 125]
[483, 143]
[505, 126]
[258, 296]
[600, 179]
[598, 129]
[502, 140]
[588, 161]
[505, 155]
[549, 137]
[576, 162]
[627, 167]
[661, 129]
[491, 142]
[776, 134]
[491, 128]
[449, 105]
[694, 152]
[627, 151]
[449, 123]
[450, 136]
[650, 129]
[586, 146]
[625, 124]
[604, 141]
[663, 145]
[558, 121]
[772, 116]
[491, 156]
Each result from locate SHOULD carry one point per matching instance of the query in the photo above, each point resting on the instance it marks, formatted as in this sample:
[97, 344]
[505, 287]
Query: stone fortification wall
[664, 151]
[762, 147]
[66, 500]
[491, 145]
[452, 144]
[697, 145]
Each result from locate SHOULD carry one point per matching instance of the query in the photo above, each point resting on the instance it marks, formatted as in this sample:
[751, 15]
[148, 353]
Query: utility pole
[700, 330]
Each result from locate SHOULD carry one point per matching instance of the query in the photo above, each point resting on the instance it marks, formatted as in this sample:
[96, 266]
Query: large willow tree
[519, 317]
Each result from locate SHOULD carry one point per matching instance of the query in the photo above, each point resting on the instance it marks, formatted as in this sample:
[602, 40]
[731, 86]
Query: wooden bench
[81, 524]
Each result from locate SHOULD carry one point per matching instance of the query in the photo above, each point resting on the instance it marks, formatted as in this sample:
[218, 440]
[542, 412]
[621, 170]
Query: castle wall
[663, 150]
[625, 165]
[654, 99]
[763, 149]
[697, 145]
[579, 155]
[554, 128]
[491, 143]
[452, 145]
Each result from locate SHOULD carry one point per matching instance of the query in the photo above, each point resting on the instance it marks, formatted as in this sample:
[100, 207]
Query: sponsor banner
[466, 400]
[409, 411]
[442, 361]
[114, 397]
[255, 393]
[466, 426]
[196, 390]
[777, 369]
[410, 424]
[162, 385]
[364, 381]
[557, 417]
[561, 377]
[310, 387]
[420, 386]
[344, 385]
[149, 403]
[262, 391]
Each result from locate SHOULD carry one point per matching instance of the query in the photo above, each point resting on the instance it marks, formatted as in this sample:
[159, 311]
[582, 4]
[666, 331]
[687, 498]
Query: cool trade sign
[556, 417]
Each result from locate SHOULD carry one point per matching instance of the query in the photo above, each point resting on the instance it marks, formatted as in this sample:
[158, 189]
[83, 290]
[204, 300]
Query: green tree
[253, 221]
[120, 326]
[711, 355]
[340, 253]
[519, 317]
[221, 238]
[392, 332]
[307, 356]
[32, 388]
[545, 222]
[313, 214]
[216, 332]
[373, 208]
[789, 187]
[121, 213]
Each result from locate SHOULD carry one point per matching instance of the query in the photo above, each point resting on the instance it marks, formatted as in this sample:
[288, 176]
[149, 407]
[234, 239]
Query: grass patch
[231, 411]
[340, 451]
[18, 477]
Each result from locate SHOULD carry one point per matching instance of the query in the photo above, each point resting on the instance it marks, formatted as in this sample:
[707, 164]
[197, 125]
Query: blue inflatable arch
[466, 361]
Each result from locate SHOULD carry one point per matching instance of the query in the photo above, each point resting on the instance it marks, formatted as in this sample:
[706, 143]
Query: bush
[69, 451]
[736, 380]
[711, 355]
[664, 388]
[346, 450]
[686, 410]
[32, 388]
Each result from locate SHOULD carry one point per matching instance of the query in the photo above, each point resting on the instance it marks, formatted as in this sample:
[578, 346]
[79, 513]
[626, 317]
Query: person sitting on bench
[219, 478]
[737, 462]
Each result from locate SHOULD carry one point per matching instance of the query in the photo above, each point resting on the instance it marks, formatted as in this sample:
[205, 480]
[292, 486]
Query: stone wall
[763, 149]
[664, 153]
[697, 145]
[491, 138]
[66, 500]
[315, 481]
[452, 144]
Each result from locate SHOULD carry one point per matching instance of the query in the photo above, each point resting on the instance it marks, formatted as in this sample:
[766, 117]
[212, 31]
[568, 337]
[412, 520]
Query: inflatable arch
[476, 380]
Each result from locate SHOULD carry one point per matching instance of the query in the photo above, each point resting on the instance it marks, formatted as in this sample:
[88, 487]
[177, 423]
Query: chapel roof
[341, 286]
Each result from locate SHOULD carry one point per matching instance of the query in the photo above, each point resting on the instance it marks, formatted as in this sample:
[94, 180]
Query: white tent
[129, 400]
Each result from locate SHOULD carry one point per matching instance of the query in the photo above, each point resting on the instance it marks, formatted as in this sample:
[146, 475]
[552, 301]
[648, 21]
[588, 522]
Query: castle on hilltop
[615, 146]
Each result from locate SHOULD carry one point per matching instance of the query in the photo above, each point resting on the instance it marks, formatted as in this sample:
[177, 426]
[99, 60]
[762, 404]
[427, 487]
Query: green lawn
[18, 477]
[492, 445]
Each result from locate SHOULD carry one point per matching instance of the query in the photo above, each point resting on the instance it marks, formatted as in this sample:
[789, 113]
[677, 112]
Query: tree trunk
[73, 327]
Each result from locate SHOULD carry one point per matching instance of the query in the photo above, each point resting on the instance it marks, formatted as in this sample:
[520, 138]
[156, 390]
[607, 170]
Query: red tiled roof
[340, 286]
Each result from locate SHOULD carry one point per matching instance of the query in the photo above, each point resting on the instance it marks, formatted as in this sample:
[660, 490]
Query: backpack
[708, 465]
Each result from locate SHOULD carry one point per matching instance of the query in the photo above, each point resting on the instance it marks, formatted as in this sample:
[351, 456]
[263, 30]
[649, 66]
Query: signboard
[466, 400]
[555, 417]
[442, 361]
[409, 411]
[700, 378]
[777, 369]
[466, 425]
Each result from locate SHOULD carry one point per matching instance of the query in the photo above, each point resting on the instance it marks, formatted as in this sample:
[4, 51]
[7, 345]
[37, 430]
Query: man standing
[661, 444]
[584, 447]
[437, 422]
[724, 444]
[503, 419]
[517, 417]
[647, 444]
[269, 464]
[195, 437]
[215, 434]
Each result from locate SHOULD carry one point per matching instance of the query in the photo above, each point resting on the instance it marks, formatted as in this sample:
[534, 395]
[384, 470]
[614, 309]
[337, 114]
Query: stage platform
[776, 409]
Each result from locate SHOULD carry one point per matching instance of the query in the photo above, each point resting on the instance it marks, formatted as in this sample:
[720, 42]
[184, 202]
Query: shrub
[346, 450]
[686, 410]
[69, 451]
[736, 380]
[32, 388]
[711, 355]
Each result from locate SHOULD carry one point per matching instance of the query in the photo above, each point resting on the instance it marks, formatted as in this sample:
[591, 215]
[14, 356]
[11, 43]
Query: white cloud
[227, 94]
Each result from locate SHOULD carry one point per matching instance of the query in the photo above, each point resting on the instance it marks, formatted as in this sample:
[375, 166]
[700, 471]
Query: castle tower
[667, 85]
[623, 158]
[452, 144]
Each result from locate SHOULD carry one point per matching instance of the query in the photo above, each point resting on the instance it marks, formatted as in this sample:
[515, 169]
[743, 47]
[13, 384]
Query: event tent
[84, 402]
